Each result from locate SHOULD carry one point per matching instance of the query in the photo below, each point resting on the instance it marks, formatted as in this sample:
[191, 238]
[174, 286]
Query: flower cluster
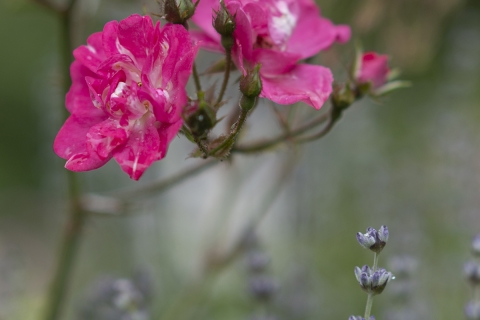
[277, 34]
[372, 280]
[128, 99]
[472, 273]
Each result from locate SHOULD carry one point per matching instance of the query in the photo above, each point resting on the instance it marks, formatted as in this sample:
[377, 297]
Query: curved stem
[163, 184]
[318, 135]
[267, 144]
[226, 76]
[233, 135]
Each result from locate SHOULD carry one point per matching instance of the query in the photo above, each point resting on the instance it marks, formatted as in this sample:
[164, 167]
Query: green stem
[375, 261]
[196, 78]
[368, 307]
[76, 217]
[233, 135]
[163, 184]
[226, 76]
[267, 144]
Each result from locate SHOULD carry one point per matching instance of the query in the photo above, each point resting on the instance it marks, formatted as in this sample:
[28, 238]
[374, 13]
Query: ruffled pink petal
[314, 33]
[109, 38]
[141, 149]
[104, 137]
[78, 99]
[178, 63]
[243, 34]
[92, 54]
[206, 42]
[135, 34]
[71, 139]
[275, 62]
[167, 133]
[307, 83]
[203, 18]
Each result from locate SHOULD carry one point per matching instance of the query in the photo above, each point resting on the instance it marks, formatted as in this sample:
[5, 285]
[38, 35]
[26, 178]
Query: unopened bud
[223, 21]
[251, 84]
[373, 239]
[178, 11]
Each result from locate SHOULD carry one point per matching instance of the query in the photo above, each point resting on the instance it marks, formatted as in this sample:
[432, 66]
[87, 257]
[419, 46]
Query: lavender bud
[373, 240]
[472, 272]
[372, 282]
[472, 310]
[263, 287]
[476, 245]
[257, 261]
[383, 233]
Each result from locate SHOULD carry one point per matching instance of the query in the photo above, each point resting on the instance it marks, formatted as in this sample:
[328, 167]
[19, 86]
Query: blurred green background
[411, 162]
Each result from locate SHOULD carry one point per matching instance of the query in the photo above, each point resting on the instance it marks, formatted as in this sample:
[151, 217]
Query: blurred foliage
[411, 163]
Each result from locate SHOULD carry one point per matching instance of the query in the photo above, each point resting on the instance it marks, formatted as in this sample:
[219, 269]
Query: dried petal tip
[373, 239]
[476, 245]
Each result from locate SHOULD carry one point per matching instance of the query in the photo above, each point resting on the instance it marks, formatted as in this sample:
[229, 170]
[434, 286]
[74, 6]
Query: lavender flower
[472, 310]
[472, 272]
[476, 245]
[360, 318]
[373, 239]
[372, 281]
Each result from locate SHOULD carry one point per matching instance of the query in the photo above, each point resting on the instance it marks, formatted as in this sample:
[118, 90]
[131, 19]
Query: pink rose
[373, 69]
[127, 94]
[277, 34]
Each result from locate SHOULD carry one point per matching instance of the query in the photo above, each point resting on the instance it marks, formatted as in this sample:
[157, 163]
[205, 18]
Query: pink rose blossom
[373, 69]
[127, 94]
[277, 34]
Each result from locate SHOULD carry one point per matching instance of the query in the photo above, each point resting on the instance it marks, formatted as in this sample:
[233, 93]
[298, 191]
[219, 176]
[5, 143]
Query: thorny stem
[76, 217]
[226, 76]
[233, 135]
